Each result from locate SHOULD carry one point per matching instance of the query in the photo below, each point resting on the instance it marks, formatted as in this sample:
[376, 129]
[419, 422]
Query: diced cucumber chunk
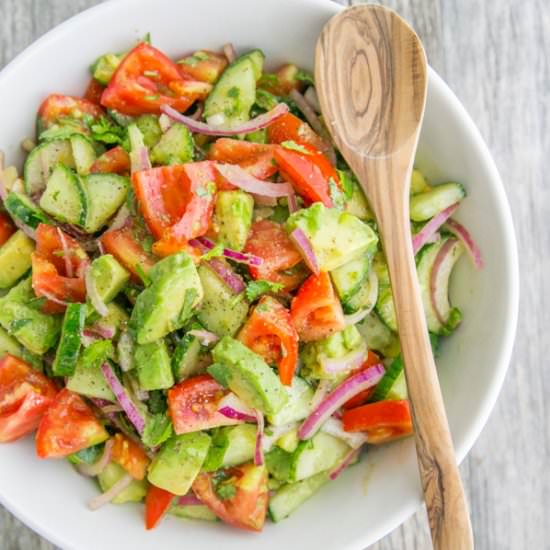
[231, 446]
[291, 496]
[187, 359]
[289, 442]
[66, 356]
[135, 492]
[23, 209]
[42, 160]
[348, 278]
[385, 307]
[84, 154]
[392, 385]
[176, 146]
[105, 66]
[195, 511]
[105, 194]
[9, 345]
[378, 336]
[15, 258]
[365, 298]
[65, 197]
[426, 205]
[150, 129]
[257, 58]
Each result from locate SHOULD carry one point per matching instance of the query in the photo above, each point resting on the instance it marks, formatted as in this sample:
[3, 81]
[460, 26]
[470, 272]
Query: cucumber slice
[135, 492]
[366, 297]
[15, 258]
[385, 307]
[176, 146]
[84, 154]
[378, 336]
[426, 205]
[105, 195]
[42, 160]
[291, 496]
[235, 92]
[65, 198]
[105, 66]
[69, 344]
[348, 278]
[150, 129]
[23, 208]
[392, 385]
[194, 511]
[9, 345]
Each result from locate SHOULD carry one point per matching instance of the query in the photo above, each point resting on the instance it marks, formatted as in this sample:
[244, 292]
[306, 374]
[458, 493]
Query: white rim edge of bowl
[512, 260]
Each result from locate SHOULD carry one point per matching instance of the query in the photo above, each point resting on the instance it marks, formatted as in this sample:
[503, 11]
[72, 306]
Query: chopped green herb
[347, 181]
[304, 76]
[153, 97]
[226, 491]
[97, 353]
[106, 131]
[145, 279]
[254, 289]
[158, 429]
[233, 92]
[293, 146]
[213, 252]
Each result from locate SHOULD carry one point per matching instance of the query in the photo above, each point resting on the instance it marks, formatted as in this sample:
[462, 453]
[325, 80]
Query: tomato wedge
[383, 421]
[94, 91]
[362, 397]
[269, 332]
[57, 106]
[237, 495]
[204, 65]
[281, 261]
[113, 161]
[146, 79]
[309, 172]
[157, 503]
[50, 276]
[7, 228]
[25, 395]
[291, 128]
[256, 158]
[177, 202]
[130, 456]
[316, 311]
[193, 405]
[68, 426]
[128, 251]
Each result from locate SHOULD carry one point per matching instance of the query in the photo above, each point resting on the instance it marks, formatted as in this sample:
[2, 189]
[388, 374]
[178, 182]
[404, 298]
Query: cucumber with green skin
[68, 349]
[188, 356]
[176, 146]
[427, 204]
[15, 258]
[111, 474]
[65, 197]
[349, 278]
[22, 208]
[365, 298]
[105, 66]
[150, 129]
[193, 511]
[84, 154]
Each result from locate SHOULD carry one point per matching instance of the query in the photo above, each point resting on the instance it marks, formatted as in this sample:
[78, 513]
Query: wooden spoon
[371, 80]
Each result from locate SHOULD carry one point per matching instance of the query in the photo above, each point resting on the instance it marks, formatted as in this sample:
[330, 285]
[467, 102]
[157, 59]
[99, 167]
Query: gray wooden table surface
[495, 54]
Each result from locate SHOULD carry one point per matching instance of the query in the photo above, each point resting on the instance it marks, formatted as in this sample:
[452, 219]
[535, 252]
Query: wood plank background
[495, 55]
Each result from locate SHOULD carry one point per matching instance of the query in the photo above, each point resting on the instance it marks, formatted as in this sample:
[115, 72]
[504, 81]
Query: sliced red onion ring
[232, 407]
[234, 255]
[313, 100]
[87, 338]
[189, 500]
[91, 290]
[109, 495]
[357, 317]
[257, 123]
[53, 298]
[100, 247]
[259, 453]
[426, 233]
[107, 332]
[198, 112]
[346, 461]
[345, 391]
[462, 233]
[229, 52]
[352, 360]
[92, 470]
[292, 203]
[66, 253]
[133, 413]
[228, 276]
[299, 238]
[205, 337]
[333, 426]
[243, 180]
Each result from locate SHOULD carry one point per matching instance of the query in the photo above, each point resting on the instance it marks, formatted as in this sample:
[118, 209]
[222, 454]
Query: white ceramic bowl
[371, 499]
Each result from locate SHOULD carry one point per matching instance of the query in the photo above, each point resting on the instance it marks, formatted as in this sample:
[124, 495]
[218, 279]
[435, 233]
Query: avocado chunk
[168, 302]
[153, 365]
[179, 461]
[317, 356]
[336, 237]
[176, 146]
[135, 492]
[21, 317]
[234, 211]
[108, 277]
[248, 375]
[298, 406]
[15, 258]
[231, 446]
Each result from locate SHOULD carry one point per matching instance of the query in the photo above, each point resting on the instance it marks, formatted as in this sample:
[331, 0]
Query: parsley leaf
[106, 131]
[158, 429]
[293, 146]
[213, 252]
[304, 76]
[348, 183]
[97, 353]
[226, 491]
[145, 279]
[254, 289]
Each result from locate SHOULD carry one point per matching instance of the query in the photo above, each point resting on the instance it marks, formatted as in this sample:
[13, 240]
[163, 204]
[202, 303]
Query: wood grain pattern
[494, 55]
[371, 77]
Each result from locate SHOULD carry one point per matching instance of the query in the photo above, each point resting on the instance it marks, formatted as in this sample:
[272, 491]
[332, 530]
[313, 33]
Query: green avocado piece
[168, 302]
[15, 258]
[108, 277]
[176, 146]
[135, 492]
[179, 461]
[88, 380]
[21, 317]
[248, 375]
[298, 406]
[189, 356]
[234, 211]
[336, 237]
[231, 446]
[153, 365]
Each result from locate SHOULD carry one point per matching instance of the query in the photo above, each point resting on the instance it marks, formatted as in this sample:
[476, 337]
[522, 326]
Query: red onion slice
[243, 180]
[53, 298]
[232, 407]
[229, 52]
[133, 413]
[333, 426]
[228, 276]
[240, 257]
[205, 337]
[462, 233]
[357, 317]
[292, 203]
[352, 360]
[345, 391]
[323, 388]
[109, 495]
[91, 290]
[165, 123]
[257, 123]
[66, 253]
[92, 470]
[299, 238]
[189, 500]
[426, 233]
[346, 461]
[259, 453]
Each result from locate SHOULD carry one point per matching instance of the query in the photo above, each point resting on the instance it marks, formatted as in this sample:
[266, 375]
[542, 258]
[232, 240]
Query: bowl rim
[502, 362]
